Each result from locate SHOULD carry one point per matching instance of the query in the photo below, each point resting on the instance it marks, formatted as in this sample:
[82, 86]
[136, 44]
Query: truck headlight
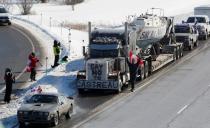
[81, 75]
[112, 75]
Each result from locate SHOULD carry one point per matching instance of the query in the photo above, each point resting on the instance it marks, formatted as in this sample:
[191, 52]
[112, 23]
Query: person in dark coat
[134, 64]
[33, 60]
[9, 79]
[56, 51]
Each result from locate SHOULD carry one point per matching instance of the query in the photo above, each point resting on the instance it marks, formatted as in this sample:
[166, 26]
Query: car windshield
[198, 19]
[43, 99]
[182, 29]
[3, 10]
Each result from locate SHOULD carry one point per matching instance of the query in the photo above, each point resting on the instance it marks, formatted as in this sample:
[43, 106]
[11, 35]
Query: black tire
[146, 70]
[56, 120]
[142, 74]
[120, 85]
[81, 91]
[69, 113]
[196, 43]
[9, 23]
[22, 124]
[205, 37]
[190, 47]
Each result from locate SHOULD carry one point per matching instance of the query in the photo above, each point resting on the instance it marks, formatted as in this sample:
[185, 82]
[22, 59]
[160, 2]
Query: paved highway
[16, 44]
[178, 98]
[158, 101]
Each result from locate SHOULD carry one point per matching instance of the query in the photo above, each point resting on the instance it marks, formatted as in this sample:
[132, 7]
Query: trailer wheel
[146, 70]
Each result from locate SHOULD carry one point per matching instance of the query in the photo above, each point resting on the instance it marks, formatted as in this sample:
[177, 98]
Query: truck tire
[81, 91]
[196, 43]
[21, 124]
[120, 84]
[205, 37]
[146, 70]
[142, 73]
[191, 46]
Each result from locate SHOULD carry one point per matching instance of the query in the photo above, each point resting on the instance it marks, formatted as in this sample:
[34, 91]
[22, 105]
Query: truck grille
[97, 71]
[180, 38]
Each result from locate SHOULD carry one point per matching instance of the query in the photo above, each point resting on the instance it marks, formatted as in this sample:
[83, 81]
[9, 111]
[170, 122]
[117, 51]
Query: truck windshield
[194, 19]
[103, 53]
[182, 29]
[144, 44]
[3, 10]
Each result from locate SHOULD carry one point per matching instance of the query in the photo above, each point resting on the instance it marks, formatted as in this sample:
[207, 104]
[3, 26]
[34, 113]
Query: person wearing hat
[33, 60]
[56, 51]
[134, 62]
[9, 79]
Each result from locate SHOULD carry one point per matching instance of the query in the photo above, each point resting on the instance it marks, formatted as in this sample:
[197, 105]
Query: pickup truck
[202, 23]
[187, 34]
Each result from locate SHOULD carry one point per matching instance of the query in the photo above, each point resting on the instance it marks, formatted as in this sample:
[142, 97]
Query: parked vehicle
[4, 16]
[106, 67]
[45, 108]
[202, 24]
[187, 34]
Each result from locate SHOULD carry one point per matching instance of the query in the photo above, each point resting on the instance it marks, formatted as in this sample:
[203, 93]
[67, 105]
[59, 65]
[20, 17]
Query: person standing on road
[56, 51]
[9, 79]
[133, 64]
[33, 60]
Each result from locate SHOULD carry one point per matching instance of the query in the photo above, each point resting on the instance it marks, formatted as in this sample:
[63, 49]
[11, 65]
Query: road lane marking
[181, 110]
[33, 49]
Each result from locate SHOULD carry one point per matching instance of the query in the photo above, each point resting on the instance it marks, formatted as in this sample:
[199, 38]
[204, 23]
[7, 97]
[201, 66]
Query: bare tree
[6, 3]
[25, 6]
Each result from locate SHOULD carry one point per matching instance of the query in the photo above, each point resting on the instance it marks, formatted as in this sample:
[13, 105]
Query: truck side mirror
[183, 22]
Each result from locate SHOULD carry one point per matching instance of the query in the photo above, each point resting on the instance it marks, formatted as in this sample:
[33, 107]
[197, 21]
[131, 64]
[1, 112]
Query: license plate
[84, 84]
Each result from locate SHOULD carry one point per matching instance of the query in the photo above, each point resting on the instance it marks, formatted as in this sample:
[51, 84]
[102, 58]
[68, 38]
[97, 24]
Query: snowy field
[46, 19]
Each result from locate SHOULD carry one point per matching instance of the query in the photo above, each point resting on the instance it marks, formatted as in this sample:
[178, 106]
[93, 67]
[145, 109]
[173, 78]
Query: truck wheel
[21, 124]
[142, 73]
[191, 46]
[196, 43]
[206, 37]
[120, 85]
[146, 70]
[81, 91]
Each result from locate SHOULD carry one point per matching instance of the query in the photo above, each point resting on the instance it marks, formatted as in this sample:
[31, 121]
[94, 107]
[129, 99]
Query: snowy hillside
[113, 11]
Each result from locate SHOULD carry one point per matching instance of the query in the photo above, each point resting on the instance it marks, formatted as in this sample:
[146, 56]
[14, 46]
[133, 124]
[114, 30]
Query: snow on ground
[112, 11]
[48, 18]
